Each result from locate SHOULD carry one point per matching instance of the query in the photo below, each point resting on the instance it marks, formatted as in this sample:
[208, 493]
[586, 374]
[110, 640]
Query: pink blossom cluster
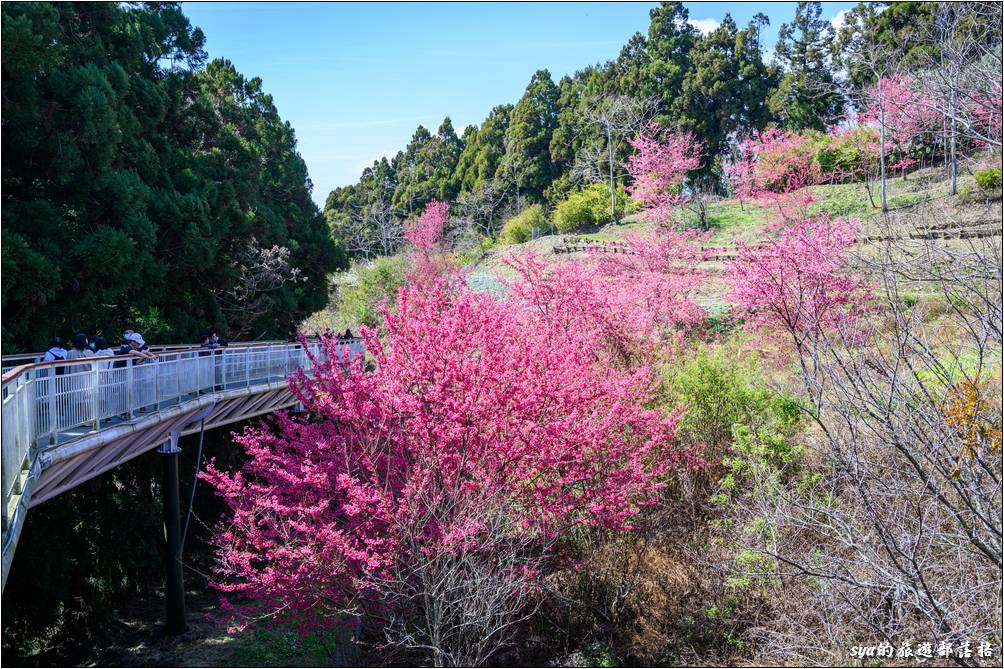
[797, 283]
[908, 114]
[624, 301]
[425, 232]
[658, 168]
[773, 162]
[773, 167]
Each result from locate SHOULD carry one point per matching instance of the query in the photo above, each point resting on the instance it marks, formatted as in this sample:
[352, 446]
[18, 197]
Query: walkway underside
[65, 467]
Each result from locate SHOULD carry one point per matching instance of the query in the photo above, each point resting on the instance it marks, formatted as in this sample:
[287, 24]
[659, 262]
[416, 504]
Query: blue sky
[356, 79]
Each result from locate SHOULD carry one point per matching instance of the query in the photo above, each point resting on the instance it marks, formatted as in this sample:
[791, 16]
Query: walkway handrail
[50, 403]
[10, 361]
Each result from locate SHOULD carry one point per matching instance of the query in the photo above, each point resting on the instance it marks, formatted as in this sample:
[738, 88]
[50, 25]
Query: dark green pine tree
[527, 162]
[413, 186]
[443, 152]
[671, 40]
[134, 181]
[482, 154]
[724, 92]
[807, 96]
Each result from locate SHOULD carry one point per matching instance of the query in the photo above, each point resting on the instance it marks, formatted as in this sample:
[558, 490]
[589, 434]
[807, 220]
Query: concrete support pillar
[174, 581]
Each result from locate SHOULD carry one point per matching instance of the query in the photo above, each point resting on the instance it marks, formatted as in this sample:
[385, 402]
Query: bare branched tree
[260, 272]
[616, 118]
[484, 207]
[899, 539]
[462, 606]
[961, 79]
[377, 228]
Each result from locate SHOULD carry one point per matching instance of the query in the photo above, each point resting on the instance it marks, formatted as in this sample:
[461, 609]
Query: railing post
[174, 576]
[97, 396]
[129, 382]
[53, 423]
[156, 384]
[247, 367]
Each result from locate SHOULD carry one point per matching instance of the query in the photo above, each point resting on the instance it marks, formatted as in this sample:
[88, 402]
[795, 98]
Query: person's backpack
[56, 357]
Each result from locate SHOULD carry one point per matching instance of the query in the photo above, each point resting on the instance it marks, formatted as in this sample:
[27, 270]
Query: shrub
[722, 394]
[359, 303]
[519, 228]
[845, 156]
[589, 206]
[989, 180]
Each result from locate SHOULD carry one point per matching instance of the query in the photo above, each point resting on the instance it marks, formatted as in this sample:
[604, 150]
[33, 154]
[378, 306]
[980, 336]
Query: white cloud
[704, 26]
[838, 21]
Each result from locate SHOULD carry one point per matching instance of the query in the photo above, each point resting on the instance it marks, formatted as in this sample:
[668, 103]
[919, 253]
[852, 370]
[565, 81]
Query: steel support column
[174, 582]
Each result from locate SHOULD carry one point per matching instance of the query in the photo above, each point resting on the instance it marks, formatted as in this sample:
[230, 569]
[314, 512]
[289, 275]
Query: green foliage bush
[843, 156]
[519, 228]
[989, 180]
[722, 394]
[358, 303]
[590, 206]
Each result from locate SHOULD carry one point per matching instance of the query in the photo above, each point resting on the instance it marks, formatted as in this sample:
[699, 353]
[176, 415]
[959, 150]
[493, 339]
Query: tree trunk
[610, 165]
[885, 206]
[954, 169]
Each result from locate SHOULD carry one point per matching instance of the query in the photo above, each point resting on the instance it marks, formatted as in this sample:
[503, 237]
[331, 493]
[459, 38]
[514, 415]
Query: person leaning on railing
[139, 348]
[103, 350]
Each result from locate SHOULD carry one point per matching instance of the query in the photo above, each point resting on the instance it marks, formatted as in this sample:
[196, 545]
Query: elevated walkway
[64, 423]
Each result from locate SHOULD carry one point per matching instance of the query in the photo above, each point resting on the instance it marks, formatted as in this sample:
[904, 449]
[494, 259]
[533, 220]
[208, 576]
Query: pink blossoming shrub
[798, 284]
[482, 433]
[658, 168]
[773, 162]
[425, 233]
[625, 302]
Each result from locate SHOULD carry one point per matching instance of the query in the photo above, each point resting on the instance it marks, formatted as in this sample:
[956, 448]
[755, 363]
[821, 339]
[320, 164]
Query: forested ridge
[561, 137]
[144, 186]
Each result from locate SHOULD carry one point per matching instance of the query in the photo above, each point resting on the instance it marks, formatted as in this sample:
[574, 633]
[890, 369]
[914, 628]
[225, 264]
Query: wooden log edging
[600, 246]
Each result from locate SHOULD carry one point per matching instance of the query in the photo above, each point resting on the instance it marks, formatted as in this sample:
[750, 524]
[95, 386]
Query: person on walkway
[144, 376]
[56, 350]
[78, 386]
[102, 350]
[139, 347]
[80, 349]
[212, 339]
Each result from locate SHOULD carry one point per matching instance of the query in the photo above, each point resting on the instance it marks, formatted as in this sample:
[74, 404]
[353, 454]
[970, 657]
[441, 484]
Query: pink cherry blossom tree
[426, 495]
[425, 231]
[425, 234]
[658, 169]
[627, 301]
[797, 284]
[774, 167]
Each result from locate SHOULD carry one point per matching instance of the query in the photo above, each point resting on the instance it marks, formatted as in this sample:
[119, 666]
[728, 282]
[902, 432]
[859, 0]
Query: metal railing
[46, 404]
[11, 360]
